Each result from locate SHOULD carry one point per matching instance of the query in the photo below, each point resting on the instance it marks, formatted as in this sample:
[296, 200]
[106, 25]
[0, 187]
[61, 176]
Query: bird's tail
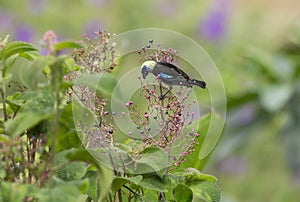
[201, 84]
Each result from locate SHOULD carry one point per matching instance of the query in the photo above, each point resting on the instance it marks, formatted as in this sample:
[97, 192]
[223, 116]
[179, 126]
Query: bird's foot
[161, 97]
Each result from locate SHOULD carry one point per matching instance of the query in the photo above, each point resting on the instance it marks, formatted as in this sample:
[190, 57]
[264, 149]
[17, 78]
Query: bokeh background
[256, 46]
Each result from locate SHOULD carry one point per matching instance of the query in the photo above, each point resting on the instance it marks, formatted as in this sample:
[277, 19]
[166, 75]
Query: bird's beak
[144, 72]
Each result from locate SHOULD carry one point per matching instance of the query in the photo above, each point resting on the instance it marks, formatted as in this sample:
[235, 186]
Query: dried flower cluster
[171, 116]
[98, 55]
[157, 53]
[162, 123]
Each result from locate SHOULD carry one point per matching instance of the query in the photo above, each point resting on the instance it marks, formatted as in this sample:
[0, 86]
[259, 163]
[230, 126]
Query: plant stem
[56, 74]
[2, 91]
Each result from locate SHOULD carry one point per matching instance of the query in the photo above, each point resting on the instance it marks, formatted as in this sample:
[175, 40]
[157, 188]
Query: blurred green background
[255, 45]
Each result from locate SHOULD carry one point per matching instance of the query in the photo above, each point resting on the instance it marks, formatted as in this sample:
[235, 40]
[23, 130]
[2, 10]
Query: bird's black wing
[174, 71]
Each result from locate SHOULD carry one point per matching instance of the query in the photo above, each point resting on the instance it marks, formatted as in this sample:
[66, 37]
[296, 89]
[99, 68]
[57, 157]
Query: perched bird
[169, 74]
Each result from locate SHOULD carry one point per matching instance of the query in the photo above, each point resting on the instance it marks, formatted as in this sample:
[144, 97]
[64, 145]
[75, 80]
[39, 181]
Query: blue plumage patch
[165, 76]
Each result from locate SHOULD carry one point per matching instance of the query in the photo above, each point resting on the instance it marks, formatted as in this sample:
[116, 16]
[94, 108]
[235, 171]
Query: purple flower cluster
[214, 25]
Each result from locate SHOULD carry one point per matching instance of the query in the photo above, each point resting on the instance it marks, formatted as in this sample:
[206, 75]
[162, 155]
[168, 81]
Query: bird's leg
[161, 97]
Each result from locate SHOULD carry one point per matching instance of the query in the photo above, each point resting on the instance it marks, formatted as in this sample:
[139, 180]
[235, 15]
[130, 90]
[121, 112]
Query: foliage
[59, 141]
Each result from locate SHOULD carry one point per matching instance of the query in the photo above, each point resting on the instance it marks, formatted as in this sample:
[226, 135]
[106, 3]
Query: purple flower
[24, 33]
[214, 25]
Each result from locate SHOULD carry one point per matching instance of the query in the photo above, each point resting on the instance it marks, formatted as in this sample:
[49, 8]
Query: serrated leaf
[67, 170]
[153, 182]
[182, 193]
[15, 48]
[207, 191]
[104, 173]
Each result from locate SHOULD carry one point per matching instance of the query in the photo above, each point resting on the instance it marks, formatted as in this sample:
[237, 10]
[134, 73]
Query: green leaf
[206, 129]
[40, 101]
[15, 48]
[59, 193]
[67, 45]
[94, 189]
[68, 136]
[153, 182]
[70, 66]
[193, 174]
[207, 140]
[32, 75]
[105, 174]
[8, 64]
[10, 61]
[67, 170]
[100, 183]
[120, 181]
[6, 79]
[24, 120]
[10, 192]
[207, 191]
[104, 83]
[152, 159]
[82, 116]
[182, 193]
[84, 155]
[82, 185]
